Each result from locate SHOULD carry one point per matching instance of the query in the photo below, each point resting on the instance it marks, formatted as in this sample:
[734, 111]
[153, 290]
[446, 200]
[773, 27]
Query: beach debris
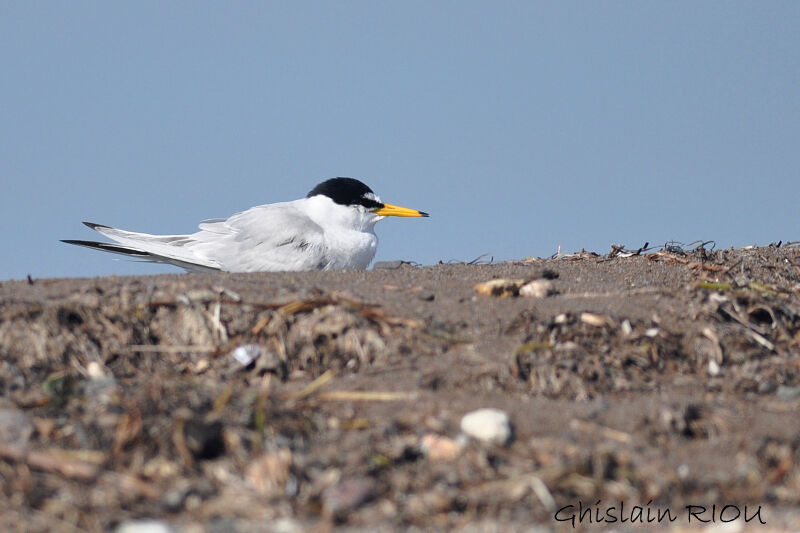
[500, 287]
[144, 526]
[105, 378]
[538, 288]
[438, 448]
[715, 355]
[366, 396]
[81, 465]
[504, 287]
[269, 473]
[713, 286]
[762, 315]
[488, 425]
[619, 250]
[95, 370]
[246, 353]
[201, 366]
[593, 319]
[315, 385]
[347, 495]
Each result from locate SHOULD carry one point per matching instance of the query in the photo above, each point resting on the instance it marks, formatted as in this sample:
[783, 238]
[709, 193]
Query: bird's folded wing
[176, 249]
[264, 238]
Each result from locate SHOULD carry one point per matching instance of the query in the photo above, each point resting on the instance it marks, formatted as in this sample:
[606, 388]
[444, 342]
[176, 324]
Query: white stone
[487, 425]
[538, 288]
[144, 526]
[95, 370]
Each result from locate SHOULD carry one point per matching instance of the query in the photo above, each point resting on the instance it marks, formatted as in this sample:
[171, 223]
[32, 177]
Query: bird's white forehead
[372, 196]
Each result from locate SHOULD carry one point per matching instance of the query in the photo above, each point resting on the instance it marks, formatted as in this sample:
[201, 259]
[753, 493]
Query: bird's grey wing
[270, 237]
[172, 249]
[212, 221]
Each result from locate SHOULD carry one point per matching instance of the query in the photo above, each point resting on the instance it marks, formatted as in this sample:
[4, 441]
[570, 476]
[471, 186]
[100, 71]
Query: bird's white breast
[351, 250]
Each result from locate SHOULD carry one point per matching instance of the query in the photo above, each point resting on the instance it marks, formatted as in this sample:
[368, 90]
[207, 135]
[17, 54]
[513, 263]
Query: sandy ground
[661, 380]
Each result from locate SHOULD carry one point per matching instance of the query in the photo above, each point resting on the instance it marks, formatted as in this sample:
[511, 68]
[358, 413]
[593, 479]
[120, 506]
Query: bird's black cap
[345, 191]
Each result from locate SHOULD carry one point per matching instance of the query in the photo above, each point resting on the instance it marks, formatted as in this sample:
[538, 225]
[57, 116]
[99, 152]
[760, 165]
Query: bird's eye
[370, 203]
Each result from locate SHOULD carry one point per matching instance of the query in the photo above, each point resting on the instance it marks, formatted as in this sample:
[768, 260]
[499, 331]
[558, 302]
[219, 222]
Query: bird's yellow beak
[389, 210]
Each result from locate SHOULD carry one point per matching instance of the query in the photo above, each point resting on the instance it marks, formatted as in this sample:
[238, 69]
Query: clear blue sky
[520, 126]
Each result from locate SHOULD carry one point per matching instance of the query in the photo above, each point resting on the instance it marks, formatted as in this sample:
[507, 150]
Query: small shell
[247, 353]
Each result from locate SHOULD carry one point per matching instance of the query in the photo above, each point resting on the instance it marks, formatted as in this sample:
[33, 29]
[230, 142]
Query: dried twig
[616, 294]
[54, 461]
[607, 432]
[149, 348]
[315, 385]
[260, 325]
[669, 256]
[366, 396]
[179, 440]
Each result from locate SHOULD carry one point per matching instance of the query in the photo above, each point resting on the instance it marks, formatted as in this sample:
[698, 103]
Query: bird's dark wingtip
[108, 247]
[95, 226]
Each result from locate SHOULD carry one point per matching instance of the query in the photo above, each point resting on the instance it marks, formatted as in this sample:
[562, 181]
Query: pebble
[538, 288]
[595, 320]
[270, 472]
[347, 495]
[786, 393]
[438, 448]
[488, 425]
[95, 370]
[144, 526]
[15, 427]
[286, 525]
[767, 387]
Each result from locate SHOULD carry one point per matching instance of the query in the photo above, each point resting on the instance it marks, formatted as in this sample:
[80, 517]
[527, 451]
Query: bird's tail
[109, 247]
[156, 248]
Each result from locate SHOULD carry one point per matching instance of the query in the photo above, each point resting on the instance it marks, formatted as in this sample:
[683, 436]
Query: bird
[332, 228]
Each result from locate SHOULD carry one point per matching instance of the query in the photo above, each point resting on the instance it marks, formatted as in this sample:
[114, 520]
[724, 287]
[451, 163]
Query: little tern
[332, 228]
